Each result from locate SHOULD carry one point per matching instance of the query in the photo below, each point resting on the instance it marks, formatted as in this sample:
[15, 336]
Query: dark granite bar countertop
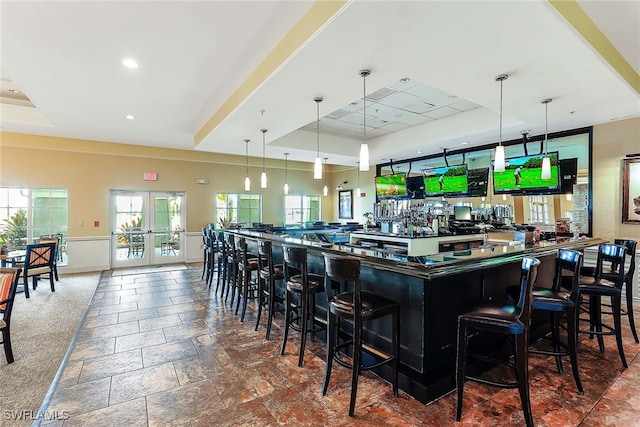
[434, 266]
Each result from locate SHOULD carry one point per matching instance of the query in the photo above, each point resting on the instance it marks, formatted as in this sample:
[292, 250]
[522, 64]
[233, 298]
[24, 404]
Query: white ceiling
[195, 57]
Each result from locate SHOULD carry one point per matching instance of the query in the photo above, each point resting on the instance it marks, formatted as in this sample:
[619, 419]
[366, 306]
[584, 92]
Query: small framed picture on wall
[631, 191]
[345, 204]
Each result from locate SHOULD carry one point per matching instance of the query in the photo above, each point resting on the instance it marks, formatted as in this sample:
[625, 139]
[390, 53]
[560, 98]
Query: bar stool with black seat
[268, 274]
[222, 263]
[512, 321]
[247, 265]
[210, 249]
[605, 285]
[611, 271]
[231, 266]
[562, 298]
[346, 300]
[298, 281]
[204, 253]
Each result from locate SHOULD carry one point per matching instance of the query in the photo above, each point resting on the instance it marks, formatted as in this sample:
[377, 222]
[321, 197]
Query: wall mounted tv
[391, 186]
[448, 181]
[522, 175]
[478, 182]
[415, 187]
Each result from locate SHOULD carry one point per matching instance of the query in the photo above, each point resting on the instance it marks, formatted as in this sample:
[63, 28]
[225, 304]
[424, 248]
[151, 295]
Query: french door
[147, 228]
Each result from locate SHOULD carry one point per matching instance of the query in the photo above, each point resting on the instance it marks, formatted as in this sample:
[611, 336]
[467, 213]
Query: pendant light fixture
[364, 147]
[286, 177]
[358, 187]
[546, 161]
[317, 166]
[325, 189]
[247, 181]
[263, 176]
[498, 165]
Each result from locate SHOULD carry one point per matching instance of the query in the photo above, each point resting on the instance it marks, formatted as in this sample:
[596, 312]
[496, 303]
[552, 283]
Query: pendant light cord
[500, 140]
[546, 102]
[246, 144]
[364, 109]
[263, 144]
[318, 126]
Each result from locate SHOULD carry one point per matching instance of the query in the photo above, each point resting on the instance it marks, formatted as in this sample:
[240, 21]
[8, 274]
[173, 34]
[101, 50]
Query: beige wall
[612, 142]
[90, 169]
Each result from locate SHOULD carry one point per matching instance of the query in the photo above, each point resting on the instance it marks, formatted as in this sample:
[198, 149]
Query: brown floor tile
[183, 358]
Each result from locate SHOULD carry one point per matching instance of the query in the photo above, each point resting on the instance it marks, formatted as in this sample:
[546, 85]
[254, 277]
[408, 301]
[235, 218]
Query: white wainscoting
[89, 254]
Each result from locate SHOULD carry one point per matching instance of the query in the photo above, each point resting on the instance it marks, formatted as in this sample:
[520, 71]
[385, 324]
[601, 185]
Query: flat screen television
[391, 186]
[446, 181]
[462, 213]
[478, 182]
[415, 187]
[523, 175]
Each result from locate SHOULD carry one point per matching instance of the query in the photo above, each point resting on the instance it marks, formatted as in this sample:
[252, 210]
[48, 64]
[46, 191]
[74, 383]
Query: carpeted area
[42, 328]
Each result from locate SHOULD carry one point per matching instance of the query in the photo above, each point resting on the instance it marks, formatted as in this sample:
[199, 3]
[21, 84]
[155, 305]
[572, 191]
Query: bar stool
[204, 250]
[231, 266]
[247, 264]
[222, 262]
[356, 306]
[561, 298]
[212, 250]
[508, 320]
[268, 274]
[305, 285]
[610, 273]
[608, 286]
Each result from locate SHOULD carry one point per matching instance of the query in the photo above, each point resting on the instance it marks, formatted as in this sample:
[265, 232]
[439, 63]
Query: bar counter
[432, 291]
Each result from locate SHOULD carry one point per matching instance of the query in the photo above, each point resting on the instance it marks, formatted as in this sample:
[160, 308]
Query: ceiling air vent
[381, 93]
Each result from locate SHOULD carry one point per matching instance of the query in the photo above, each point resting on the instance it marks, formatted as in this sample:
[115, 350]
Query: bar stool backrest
[265, 255]
[631, 246]
[230, 241]
[343, 271]
[570, 262]
[528, 276]
[615, 254]
[241, 247]
[295, 261]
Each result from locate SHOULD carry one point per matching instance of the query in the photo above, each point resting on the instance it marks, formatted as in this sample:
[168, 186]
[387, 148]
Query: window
[301, 209]
[539, 210]
[241, 208]
[28, 213]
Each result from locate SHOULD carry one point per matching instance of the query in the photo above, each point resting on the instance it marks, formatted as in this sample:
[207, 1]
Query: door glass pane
[129, 221]
[167, 225]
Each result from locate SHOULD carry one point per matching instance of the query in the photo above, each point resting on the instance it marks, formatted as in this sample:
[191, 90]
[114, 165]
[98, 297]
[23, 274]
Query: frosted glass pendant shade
[286, 189]
[263, 180]
[247, 184]
[364, 157]
[317, 168]
[325, 191]
[498, 166]
[546, 168]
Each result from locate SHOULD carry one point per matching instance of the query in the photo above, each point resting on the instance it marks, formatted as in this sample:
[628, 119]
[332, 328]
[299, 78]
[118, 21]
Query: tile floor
[163, 350]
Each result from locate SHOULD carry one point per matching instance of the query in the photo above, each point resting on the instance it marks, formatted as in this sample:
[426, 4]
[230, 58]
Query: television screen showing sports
[390, 186]
[446, 181]
[524, 175]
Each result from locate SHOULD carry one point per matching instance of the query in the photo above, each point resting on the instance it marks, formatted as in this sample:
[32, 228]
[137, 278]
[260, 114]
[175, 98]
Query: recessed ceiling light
[405, 80]
[130, 63]
[14, 91]
[130, 117]
[450, 97]
[419, 152]
[465, 142]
